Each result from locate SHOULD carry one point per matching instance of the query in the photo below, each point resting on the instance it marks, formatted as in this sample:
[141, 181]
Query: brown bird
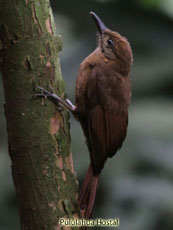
[103, 92]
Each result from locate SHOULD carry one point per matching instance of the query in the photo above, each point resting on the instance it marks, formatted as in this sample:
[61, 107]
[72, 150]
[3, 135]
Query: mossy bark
[39, 140]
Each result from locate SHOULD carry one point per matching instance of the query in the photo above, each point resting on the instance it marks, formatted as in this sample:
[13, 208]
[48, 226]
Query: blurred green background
[136, 185]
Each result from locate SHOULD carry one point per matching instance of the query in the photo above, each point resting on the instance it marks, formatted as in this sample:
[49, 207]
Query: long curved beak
[101, 26]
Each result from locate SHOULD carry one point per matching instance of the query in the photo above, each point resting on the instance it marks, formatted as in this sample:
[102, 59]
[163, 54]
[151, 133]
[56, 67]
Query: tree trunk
[39, 140]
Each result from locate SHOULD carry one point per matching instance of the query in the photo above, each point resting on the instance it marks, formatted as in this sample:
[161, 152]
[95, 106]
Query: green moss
[63, 143]
[29, 60]
[58, 43]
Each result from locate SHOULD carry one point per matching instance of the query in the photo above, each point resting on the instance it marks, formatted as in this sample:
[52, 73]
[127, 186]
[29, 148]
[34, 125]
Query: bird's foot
[55, 98]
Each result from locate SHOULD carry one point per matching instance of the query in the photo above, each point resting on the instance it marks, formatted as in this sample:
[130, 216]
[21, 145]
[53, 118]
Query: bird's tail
[88, 192]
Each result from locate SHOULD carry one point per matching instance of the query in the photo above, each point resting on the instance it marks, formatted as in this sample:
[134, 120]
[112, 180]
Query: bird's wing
[106, 118]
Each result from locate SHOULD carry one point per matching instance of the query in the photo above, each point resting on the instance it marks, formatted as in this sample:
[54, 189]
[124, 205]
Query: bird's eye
[110, 42]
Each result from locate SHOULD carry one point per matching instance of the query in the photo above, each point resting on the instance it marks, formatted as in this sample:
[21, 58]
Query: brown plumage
[103, 92]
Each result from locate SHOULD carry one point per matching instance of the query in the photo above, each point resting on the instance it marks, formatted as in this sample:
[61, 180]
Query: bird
[102, 98]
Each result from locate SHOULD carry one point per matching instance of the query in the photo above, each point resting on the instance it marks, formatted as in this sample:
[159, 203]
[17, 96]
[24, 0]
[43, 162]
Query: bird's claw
[51, 88]
[51, 95]
[56, 99]
[45, 92]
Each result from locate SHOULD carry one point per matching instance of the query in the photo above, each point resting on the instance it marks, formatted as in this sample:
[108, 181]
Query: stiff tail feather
[88, 193]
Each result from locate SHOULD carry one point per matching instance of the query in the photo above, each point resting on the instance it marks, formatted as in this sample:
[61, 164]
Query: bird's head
[112, 44]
